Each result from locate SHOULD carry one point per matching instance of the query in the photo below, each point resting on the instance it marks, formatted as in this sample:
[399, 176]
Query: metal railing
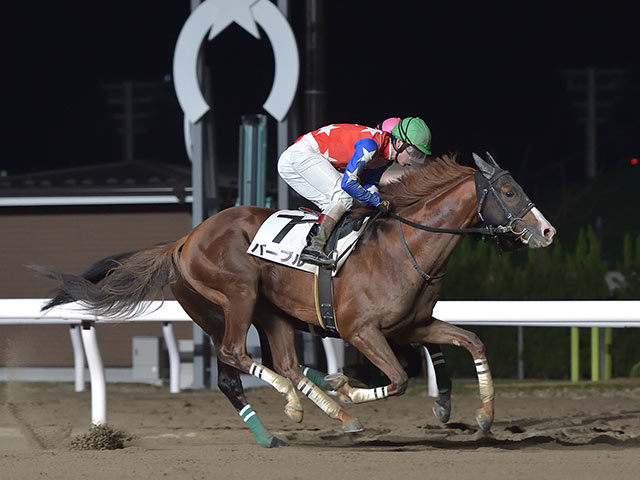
[593, 314]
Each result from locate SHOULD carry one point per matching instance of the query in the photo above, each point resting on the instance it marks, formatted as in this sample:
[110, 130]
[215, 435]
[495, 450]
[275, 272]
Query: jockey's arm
[371, 178]
[364, 150]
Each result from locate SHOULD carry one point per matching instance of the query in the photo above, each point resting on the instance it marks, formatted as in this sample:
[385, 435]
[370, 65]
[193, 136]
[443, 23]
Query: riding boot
[314, 251]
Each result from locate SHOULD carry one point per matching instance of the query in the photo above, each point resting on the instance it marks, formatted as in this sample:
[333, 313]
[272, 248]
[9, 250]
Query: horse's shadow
[462, 436]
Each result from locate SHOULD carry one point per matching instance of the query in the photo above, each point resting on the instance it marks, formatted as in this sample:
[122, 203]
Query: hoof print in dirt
[100, 437]
[461, 426]
[515, 429]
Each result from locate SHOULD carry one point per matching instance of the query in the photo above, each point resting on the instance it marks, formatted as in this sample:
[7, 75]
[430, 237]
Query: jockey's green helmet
[414, 131]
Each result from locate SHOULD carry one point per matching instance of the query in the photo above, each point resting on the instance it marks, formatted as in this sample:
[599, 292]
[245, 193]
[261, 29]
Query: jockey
[388, 124]
[341, 162]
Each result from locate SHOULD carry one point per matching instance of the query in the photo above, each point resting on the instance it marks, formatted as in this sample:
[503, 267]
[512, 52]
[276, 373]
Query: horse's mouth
[535, 241]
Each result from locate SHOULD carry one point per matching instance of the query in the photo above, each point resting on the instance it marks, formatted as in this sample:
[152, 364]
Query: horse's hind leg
[230, 384]
[238, 316]
[280, 335]
[210, 319]
[230, 280]
[444, 333]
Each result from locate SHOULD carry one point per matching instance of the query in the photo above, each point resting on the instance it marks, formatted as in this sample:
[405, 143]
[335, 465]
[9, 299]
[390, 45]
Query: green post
[595, 354]
[253, 160]
[575, 354]
[608, 340]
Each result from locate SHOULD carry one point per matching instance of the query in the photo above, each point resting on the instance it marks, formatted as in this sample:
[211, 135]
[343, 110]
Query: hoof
[342, 398]
[484, 421]
[276, 442]
[441, 413]
[442, 407]
[336, 380]
[294, 414]
[353, 426]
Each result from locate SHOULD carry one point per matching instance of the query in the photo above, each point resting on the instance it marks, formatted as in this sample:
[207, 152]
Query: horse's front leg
[372, 344]
[443, 333]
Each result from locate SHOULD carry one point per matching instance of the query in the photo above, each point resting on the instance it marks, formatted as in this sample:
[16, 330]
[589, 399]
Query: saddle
[282, 237]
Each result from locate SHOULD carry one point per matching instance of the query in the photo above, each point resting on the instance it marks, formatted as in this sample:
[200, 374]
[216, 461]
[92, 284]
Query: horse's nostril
[548, 233]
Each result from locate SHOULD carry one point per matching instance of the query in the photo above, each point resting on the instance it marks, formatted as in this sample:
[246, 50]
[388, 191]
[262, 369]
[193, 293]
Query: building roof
[122, 183]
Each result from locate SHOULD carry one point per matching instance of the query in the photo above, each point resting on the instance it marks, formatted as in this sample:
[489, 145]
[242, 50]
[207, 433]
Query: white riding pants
[312, 175]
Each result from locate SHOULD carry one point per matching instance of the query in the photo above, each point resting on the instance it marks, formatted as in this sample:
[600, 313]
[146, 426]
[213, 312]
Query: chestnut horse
[382, 293]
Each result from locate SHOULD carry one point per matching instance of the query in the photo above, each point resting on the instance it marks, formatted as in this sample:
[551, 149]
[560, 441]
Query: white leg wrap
[484, 380]
[361, 395]
[317, 396]
[280, 383]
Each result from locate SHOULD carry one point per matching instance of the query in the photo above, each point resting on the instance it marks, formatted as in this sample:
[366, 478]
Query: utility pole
[283, 130]
[590, 123]
[595, 87]
[314, 90]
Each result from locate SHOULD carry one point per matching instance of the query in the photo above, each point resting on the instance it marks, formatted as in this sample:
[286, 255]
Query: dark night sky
[484, 75]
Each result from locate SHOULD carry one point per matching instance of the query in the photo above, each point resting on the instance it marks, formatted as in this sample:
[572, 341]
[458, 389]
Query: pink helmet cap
[388, 124]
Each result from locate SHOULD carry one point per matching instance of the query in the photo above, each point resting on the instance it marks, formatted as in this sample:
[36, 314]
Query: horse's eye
[509, 193]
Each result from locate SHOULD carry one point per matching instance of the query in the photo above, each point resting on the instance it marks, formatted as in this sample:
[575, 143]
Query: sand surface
[542, 430]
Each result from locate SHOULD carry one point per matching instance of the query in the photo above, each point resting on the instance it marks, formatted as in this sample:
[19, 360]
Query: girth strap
[323, 293]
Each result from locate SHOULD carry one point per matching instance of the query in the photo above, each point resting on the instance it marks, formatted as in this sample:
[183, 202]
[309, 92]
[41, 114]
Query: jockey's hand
[384, 207]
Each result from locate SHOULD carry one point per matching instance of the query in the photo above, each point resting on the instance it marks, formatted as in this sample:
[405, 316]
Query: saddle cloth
[283, 235]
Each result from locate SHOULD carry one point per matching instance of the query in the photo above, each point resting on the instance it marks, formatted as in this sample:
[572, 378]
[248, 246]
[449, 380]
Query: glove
[384, 207]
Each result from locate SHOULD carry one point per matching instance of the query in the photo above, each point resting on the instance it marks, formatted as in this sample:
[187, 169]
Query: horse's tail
[128, 279]
[95, 274]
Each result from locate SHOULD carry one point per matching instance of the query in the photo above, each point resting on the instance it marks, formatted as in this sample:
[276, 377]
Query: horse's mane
[428, 181]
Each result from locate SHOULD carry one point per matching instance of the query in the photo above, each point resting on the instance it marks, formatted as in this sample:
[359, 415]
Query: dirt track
[541, 431]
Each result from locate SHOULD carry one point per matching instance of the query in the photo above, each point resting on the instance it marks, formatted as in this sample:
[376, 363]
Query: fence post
[78, 357]
[595, 354]
[520, 351]
[608, 340]
[96, 373]
[575, 354]
[174, 357]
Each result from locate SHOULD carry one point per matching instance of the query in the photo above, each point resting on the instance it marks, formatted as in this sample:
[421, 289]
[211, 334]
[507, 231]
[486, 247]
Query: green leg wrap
[316, 377]
[255, 425]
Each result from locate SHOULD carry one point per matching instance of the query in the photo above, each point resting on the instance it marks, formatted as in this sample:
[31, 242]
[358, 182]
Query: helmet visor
[415, 155]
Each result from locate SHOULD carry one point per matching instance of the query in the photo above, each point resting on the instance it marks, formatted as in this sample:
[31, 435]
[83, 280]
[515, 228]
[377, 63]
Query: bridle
[485, 187]
[485, 190]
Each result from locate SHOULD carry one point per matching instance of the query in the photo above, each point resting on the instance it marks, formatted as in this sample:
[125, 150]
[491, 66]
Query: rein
[490, 230]
[485, 230]
[422, 273]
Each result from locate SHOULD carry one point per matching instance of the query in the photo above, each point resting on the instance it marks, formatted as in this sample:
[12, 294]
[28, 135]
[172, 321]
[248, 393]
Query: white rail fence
[615, 314]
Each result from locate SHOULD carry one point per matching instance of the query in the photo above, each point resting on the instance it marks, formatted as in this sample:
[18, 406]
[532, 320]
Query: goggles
[415, 154]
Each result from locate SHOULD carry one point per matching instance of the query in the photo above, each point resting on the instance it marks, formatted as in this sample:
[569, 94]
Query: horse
[382, 294]
[228, 378]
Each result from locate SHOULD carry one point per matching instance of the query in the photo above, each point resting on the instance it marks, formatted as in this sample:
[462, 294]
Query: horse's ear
[492, 161]
[486, 169]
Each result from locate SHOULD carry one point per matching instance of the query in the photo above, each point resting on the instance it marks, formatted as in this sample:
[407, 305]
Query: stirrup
[316, 256]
